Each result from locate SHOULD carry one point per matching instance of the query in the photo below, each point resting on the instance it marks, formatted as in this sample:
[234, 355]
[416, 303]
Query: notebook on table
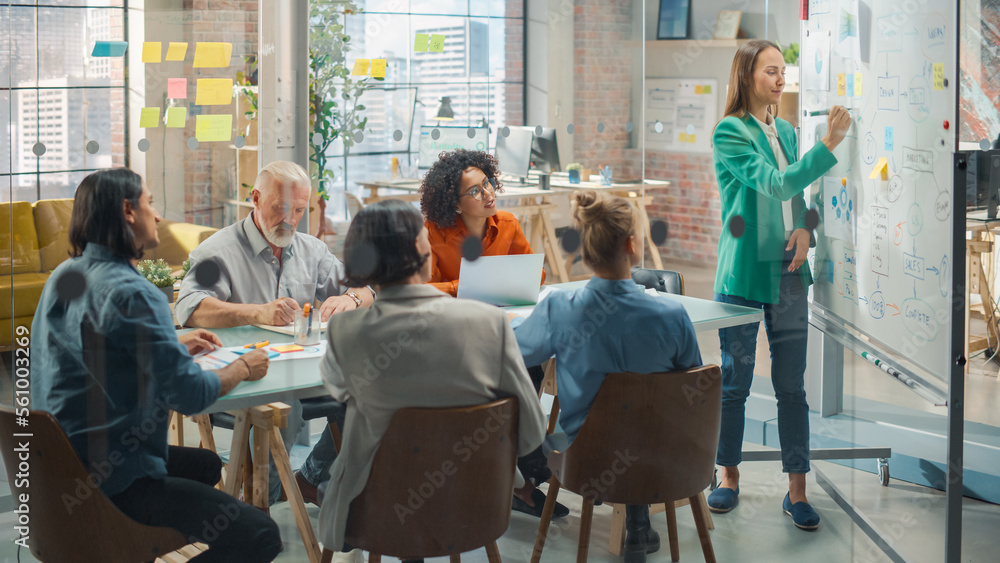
[510, 280]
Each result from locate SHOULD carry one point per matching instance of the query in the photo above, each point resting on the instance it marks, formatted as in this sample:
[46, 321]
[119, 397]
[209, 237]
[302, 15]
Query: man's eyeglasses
[477, 193]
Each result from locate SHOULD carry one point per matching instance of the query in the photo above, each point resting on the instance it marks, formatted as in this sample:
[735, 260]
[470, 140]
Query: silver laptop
[509, 280]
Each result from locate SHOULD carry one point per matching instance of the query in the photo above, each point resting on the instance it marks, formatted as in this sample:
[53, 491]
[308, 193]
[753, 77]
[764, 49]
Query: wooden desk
[534, 209]
[977, 280]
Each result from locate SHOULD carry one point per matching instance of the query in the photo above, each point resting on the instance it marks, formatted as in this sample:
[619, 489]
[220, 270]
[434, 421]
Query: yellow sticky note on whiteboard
[214, 91]
[881, 169]
[149, 117]
[151, 52]
[209, 128]
[857, 85]
[360, 67]
[176, 51]
[176, 117]
[698, 89]
[691, 138]
[840, 84]
[683, 137]
[378, 68]
[939, 76]
[212, 55]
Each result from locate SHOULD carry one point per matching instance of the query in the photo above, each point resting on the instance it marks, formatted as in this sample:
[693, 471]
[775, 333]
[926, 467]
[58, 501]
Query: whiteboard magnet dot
[843, 181]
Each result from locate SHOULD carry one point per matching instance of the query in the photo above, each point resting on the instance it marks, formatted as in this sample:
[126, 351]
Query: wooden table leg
[237, 453]
[295, 502]
[175, 435]
[207, 439]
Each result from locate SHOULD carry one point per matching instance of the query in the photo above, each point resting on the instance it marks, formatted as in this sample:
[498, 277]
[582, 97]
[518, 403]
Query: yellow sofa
[34, 240]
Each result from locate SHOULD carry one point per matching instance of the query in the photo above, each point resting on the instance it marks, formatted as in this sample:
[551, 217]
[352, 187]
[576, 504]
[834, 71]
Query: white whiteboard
[681, 113]
[882, 262]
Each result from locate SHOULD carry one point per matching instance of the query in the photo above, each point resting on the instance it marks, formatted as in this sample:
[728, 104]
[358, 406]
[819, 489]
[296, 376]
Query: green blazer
[750, 186]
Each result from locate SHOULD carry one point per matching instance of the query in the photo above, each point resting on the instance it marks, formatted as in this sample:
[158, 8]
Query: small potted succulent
[158, 274]
[574, 169]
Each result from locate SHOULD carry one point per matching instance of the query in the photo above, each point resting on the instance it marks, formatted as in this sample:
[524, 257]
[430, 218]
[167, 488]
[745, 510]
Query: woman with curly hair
[458, 198]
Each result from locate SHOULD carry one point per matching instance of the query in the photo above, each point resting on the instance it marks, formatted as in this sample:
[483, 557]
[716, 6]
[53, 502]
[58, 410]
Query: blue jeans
[316, 467]
[786, 326]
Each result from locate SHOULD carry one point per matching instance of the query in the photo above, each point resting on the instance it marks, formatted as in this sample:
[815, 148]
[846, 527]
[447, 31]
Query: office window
[481, 71]
[62, 109]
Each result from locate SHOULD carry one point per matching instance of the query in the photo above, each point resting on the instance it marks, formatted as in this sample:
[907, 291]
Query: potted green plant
[334, 109]
[791, 56]
[158, 274]
[574, 169]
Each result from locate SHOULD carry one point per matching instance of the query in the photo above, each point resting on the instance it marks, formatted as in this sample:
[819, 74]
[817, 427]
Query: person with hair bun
[458, 198]
[387, 248]
[609, 326]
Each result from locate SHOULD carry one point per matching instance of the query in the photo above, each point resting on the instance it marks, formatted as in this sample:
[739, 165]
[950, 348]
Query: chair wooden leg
[543, 526]
[709, 523]
[699, 522]
[672, 531]
[374, 558]
[327, 556]
[616, 539]
[493, 553]
[455, 558]
[586, 518]
[553, 416]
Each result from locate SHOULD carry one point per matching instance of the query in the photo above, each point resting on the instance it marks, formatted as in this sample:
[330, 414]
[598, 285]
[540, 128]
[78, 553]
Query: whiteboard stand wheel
[883, 471]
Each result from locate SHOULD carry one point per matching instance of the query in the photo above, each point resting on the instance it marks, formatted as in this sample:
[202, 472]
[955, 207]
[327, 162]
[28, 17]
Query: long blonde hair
[741, 77]
[605, 223]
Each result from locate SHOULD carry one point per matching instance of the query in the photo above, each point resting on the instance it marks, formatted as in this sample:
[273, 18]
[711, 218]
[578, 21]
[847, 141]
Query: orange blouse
[503, 236]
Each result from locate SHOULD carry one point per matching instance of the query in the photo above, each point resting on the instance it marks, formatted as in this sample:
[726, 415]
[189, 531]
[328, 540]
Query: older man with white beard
[245, 274]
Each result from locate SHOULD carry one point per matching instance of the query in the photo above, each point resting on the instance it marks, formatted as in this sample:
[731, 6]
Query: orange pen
[257, 345]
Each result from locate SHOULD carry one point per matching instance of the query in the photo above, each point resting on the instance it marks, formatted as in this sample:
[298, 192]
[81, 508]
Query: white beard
[280, 240]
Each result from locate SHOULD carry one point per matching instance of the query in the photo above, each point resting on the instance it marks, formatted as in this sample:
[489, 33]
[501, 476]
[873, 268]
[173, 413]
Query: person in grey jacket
[415, 347]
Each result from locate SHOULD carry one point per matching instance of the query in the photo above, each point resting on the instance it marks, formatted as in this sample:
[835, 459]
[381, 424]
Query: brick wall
[514, 63]
[690, 205]
[602, 83]
[208, 170]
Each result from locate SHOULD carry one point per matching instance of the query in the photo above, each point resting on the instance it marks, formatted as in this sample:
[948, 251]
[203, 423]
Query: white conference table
[291, 380]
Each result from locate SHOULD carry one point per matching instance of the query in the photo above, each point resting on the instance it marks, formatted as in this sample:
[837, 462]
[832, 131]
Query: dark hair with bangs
[380, 248]
[439, 189]
[98, 216]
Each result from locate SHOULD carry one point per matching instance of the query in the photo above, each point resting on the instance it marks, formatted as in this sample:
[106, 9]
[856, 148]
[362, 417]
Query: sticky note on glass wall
[849, 83]
[212, 55]
[840, 84]
[857, 85]
[151, 52]
[420, 41]
[176, 116]
[939, 76]
[214, 91]
[109, 49]
[378, 68]
[209, 128]
[176, 51]
[177, 88]
[149, 117]
[888, 139]
[437, 43]
[361, 67]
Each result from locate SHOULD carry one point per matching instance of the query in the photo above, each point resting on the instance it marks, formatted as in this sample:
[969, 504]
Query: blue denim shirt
[109, 367]
[607, 326]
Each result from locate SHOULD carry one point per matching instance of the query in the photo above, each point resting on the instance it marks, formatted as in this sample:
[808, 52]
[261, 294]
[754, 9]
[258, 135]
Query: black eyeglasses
[479, 191]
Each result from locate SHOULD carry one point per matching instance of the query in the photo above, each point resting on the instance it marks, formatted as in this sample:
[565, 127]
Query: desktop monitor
[982, 176]
[514, 151]
[449, 138]
[545, 151]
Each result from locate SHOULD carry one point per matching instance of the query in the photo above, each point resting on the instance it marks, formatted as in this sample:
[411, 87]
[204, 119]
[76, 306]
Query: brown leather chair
[461, 503]
[649, 438]
[95, 530]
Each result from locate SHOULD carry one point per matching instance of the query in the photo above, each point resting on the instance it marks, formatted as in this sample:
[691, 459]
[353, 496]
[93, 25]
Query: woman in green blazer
[762, 254]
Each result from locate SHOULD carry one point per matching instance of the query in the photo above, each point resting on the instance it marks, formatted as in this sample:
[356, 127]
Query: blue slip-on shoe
[723, 499]
[803, 515]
